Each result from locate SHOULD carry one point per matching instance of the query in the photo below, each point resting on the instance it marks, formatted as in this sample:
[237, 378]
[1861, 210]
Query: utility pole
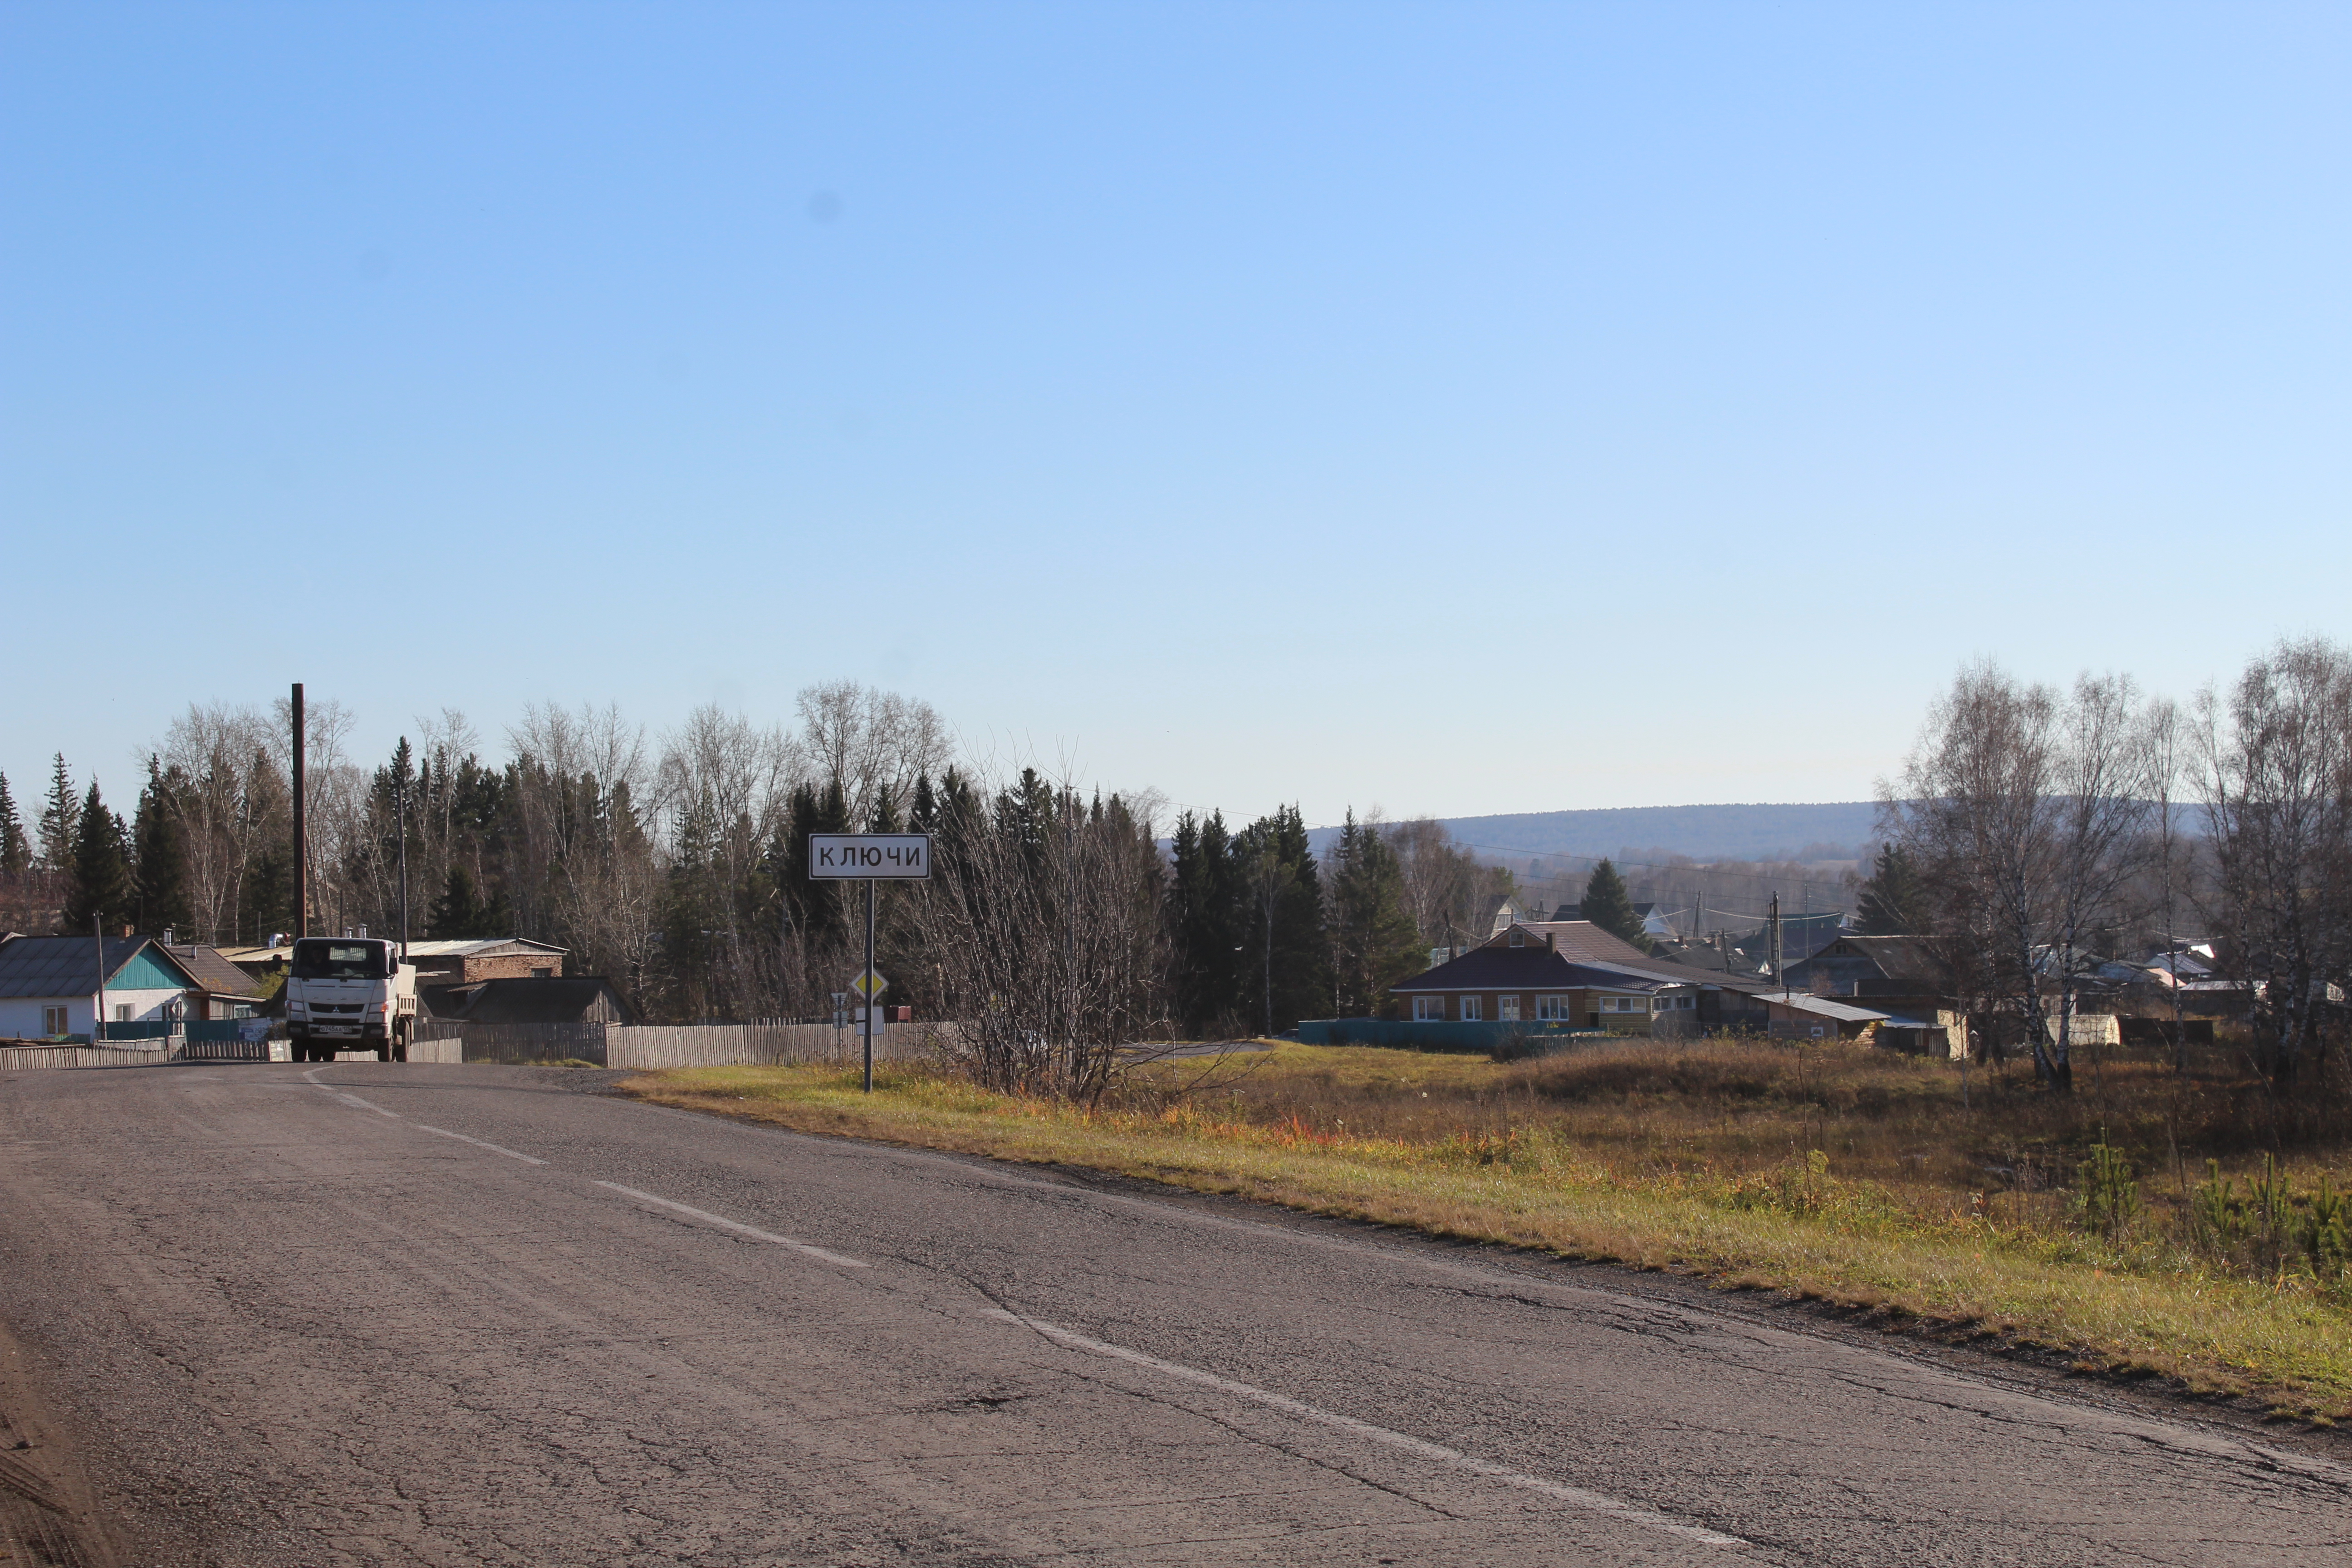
[400, 814]
[1778, 973]
[301, 840]
[98, 1007]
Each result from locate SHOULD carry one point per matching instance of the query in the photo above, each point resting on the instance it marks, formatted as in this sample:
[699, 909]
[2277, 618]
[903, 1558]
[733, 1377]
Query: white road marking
[477, 1143]
[1577, 1497]
[817, 1252]
[365, 1105]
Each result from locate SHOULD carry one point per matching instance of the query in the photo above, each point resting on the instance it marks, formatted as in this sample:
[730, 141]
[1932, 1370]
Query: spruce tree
[1894, 900]
[1607, 905]
[16, 851]
[100, 885]
[457, 914]
[265, 904]
[161, 863]
[1374, 943]
[60, 817]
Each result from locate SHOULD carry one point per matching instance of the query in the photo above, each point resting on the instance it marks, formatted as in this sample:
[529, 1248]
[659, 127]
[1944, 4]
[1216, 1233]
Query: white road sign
[869, 857]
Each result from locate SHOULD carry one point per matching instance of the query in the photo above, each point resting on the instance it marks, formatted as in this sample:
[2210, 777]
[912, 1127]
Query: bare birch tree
[2275, 760]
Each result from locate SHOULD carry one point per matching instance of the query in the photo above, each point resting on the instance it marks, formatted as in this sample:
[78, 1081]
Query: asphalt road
[362, 1313]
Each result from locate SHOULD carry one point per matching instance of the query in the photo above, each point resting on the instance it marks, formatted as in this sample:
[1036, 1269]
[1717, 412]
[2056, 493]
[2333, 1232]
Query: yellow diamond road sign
[870, 985]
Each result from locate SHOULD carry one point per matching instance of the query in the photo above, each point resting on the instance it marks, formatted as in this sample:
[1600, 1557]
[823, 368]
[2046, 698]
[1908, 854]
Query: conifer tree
[457, 914]
[1607, 905]
[1894, 900]
[161, 862]
[100, 885]
[16, 851]
[60, 816]
[1374, 941]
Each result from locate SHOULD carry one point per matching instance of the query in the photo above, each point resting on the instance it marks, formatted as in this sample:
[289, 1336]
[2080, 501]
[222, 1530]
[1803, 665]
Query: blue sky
[1461, 408]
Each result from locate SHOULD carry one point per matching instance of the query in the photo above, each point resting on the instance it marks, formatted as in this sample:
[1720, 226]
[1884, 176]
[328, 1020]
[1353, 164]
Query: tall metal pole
[867, 987]
[400, 811]
[98, 1007]
[301, 840]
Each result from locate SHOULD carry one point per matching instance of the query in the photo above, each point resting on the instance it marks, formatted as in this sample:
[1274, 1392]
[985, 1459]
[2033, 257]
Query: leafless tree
[870, 742]
[2276, 761]
[1044, 920]
[2103, 837]
[1976, 806]
[228, 810]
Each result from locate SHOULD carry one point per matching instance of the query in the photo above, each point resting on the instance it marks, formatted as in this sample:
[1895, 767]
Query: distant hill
[1701, 832]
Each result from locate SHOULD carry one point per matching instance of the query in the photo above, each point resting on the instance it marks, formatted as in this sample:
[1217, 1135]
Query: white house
[49, 985]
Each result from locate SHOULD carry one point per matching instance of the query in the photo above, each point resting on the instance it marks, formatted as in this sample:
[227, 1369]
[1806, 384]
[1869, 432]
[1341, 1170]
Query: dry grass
[1838, 1173]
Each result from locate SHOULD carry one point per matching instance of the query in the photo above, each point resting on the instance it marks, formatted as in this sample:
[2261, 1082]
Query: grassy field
[1838, 1173]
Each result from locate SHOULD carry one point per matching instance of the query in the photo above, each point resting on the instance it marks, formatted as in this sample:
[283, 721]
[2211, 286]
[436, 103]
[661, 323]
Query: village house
[1572, 973]
[50, 985]
[465, 963]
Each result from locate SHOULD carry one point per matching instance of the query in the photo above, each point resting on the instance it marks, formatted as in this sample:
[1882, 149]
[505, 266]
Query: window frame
[1552, 1007]
[1507, 1007]
[1468, 1011]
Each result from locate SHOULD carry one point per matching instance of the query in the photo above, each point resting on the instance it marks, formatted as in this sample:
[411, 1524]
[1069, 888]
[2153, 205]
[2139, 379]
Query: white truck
[350, 993]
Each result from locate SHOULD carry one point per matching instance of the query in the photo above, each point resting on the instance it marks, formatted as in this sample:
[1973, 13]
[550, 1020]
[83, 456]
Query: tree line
[2033, 830]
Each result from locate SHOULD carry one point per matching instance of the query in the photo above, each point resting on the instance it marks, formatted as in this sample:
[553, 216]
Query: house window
[1469, 1009]
[122, 1012]
[1688, 999]
[1551, 1009]
[1428, 1008]
[542, 973]
[1506, 1009]
[53, 1020]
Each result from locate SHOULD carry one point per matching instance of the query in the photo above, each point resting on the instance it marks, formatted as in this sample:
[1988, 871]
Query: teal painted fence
[1430, 1035]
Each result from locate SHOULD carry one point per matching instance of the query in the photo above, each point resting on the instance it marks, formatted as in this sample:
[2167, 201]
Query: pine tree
[1283, 970]
[1208, 922]
[1374, 943]
[457, 914]
[60, 820]
[16, 853]
[266, 893]
[101, 888]
[161, 863]
[1894, 900]
[1607, 905]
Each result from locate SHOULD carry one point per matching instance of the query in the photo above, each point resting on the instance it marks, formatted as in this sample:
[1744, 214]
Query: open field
[1839, 1173]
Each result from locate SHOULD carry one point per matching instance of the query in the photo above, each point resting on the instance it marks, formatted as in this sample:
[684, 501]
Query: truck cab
[350, 993]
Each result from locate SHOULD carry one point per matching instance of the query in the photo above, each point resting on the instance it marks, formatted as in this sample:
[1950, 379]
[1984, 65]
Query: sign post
[869, 857]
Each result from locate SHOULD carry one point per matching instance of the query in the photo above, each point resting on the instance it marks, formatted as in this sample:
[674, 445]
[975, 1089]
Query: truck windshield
[339, 961]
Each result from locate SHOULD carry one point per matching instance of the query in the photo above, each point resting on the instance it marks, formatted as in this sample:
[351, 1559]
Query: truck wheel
[400, 1043]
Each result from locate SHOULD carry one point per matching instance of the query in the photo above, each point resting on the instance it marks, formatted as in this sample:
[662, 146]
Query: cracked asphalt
[378, 1314]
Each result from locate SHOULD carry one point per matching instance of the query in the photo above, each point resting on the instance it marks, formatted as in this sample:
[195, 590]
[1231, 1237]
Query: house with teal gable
[49, 984]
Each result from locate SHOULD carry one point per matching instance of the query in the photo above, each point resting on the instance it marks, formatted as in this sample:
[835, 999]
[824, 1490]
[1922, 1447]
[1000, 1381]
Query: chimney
[1551, 944]
[168, 934]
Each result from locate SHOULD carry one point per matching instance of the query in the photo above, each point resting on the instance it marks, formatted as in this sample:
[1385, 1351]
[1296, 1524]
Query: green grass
[1827, 1176]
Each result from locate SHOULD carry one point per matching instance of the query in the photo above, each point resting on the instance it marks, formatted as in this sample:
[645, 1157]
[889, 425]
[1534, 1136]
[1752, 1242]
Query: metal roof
[479, 947]
[67, 965]
[214, 971]
[1844, 1012]
[1539, 969]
